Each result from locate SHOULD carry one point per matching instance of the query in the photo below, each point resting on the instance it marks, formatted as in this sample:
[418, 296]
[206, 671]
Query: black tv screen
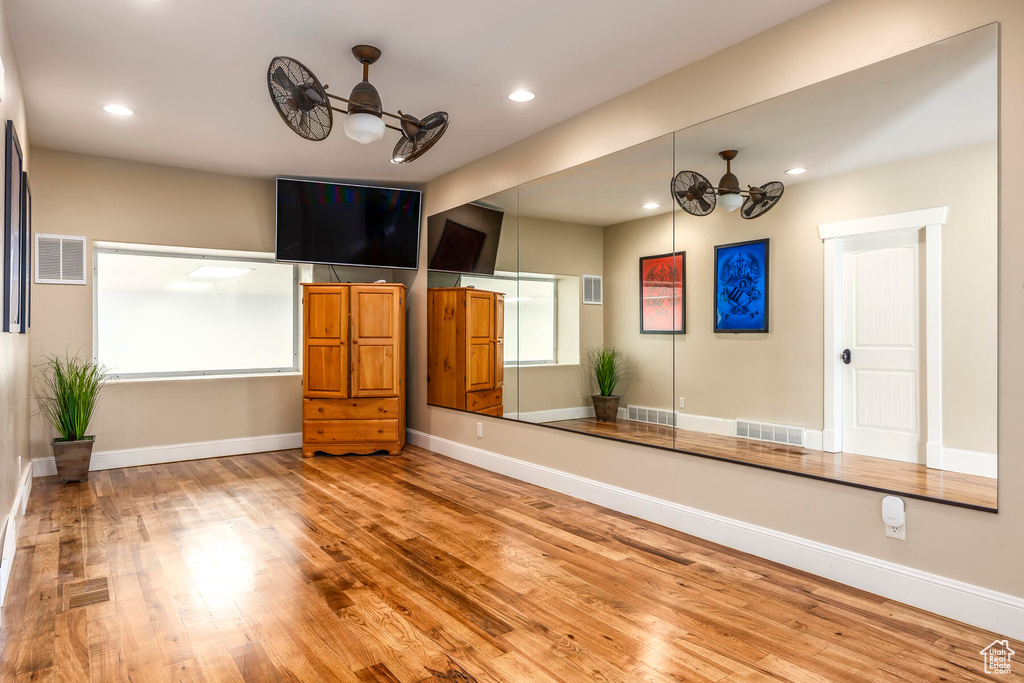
[347, 225]
[464, 239]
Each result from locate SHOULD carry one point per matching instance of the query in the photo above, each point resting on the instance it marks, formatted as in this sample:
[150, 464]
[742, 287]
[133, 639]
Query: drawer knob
[320, 409]
[319, 431]
[380, 431]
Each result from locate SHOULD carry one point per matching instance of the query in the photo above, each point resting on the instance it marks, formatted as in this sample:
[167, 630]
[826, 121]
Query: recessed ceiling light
[651, 205]
[796, 171]
[118, 110]
[189, 285]
[521, 96]
[217, 273]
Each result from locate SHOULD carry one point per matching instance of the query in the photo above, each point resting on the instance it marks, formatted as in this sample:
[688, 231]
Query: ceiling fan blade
[281, 79]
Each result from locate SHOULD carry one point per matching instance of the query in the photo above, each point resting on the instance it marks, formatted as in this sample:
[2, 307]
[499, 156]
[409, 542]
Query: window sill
[542, 365]
[189, 378]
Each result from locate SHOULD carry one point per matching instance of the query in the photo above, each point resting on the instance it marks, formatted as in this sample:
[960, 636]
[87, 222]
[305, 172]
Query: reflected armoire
[353, 368]
[466, 349]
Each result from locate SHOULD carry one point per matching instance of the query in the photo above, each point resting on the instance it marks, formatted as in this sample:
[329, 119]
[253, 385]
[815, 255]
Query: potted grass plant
[607, 368]
[70, 388]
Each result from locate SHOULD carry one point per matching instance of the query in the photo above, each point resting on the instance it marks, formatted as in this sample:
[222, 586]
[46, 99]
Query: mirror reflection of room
[570, 235]
[801, 285]
[472, 306]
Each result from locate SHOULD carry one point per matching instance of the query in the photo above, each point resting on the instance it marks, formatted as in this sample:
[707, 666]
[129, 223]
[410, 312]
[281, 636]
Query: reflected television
[464, 239]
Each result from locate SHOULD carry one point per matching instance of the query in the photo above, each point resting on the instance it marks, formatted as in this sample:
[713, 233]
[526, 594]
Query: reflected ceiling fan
[304, 104]
[695, 194]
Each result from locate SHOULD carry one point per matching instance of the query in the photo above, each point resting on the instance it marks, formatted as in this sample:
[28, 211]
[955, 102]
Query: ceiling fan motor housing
[364, 99]
[729, 184]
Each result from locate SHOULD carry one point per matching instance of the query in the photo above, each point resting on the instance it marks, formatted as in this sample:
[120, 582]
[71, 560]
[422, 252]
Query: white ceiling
[936, 98]
[195, 72]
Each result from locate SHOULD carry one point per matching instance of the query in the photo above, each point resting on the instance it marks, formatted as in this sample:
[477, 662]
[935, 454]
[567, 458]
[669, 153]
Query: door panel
[326, 349]
[880, 326]
[480, 340]
[499, 340]
[376, 320]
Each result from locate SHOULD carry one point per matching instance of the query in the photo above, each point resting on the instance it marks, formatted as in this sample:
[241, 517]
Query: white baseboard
[10, 531]
[988, 609]
[969, 462]
[693, 423]
[538, 416]
[708, 425]
[153, 455]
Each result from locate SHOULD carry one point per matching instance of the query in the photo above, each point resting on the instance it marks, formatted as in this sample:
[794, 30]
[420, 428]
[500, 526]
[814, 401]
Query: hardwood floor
[269, 567]
[876, 473]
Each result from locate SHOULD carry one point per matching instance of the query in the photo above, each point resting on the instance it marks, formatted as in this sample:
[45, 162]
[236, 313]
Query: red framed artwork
[663, 294]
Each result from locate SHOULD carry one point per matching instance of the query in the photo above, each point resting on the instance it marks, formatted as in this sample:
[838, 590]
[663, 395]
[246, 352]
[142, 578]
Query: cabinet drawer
[349, 431]
[478, 400]
[350, 408]
[496, 411]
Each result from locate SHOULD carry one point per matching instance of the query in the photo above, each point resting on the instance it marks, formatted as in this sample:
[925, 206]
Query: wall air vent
[765, 431]
[651, 415]
[592, 289]
[60, 260]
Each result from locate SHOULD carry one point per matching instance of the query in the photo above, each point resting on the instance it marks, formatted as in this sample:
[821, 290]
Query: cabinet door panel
[376, 322]
[325, 354]
[499, 340]
[479, 340]
[323, 315]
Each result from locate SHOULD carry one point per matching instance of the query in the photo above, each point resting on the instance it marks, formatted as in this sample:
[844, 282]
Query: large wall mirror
[829, 309]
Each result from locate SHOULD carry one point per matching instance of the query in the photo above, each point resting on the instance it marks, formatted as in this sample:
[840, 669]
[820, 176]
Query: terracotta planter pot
[606, 408]
[73, 458]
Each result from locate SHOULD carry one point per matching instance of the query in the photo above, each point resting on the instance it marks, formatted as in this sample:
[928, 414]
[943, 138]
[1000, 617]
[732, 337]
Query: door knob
[846, 356]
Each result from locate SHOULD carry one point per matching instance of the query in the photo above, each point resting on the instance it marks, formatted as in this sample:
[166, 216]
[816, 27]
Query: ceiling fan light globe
[730, 201]
[364, 128]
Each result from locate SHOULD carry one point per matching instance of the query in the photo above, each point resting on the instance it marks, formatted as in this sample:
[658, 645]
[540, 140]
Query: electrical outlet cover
[898, 532]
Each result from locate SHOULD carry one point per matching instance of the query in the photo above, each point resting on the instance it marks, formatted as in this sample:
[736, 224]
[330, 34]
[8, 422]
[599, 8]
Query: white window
[193, 313]
[530, 319]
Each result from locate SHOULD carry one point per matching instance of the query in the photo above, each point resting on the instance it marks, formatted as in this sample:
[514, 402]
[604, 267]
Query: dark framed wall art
[14, 248]
[663, 293]
[741, 287]
[26, 264]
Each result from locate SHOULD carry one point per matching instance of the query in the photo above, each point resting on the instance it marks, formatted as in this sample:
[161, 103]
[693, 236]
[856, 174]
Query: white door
[880, 345]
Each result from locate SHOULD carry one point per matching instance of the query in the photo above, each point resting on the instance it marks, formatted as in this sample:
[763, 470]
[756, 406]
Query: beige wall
[106, 199]
[14, 348]
[559, 248]
[778, 377]
[982, 548]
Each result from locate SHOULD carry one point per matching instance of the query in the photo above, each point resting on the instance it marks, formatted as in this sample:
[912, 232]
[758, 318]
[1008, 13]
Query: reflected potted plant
[608, 368]
[70, 389]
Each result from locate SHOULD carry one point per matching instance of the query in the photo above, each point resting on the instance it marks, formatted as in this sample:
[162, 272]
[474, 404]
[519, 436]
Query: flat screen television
[464, 239]
[347, 225]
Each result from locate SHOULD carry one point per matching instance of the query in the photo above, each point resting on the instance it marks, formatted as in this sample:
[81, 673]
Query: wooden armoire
[466, 349]
[353, 368]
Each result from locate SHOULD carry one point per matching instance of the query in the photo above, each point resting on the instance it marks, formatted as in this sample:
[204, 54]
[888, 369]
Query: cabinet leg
[394, 452]
[308, 454]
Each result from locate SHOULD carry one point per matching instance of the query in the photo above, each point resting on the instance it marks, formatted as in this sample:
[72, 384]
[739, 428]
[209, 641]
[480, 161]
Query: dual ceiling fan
[304, 104]
[695, 194]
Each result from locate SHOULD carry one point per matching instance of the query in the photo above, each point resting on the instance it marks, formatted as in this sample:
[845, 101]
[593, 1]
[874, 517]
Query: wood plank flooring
[417, 568]
[877, 473]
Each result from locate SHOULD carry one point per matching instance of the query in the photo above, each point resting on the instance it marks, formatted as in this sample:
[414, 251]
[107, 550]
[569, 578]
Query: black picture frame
[752, 291]
[14, 248]
[26, 264]
[651, 321]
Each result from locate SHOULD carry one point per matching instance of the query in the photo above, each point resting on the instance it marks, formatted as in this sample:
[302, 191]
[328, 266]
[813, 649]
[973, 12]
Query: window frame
[197, 253]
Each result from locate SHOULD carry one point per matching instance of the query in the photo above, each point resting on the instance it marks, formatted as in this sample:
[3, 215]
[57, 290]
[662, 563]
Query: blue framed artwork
[741, 287]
